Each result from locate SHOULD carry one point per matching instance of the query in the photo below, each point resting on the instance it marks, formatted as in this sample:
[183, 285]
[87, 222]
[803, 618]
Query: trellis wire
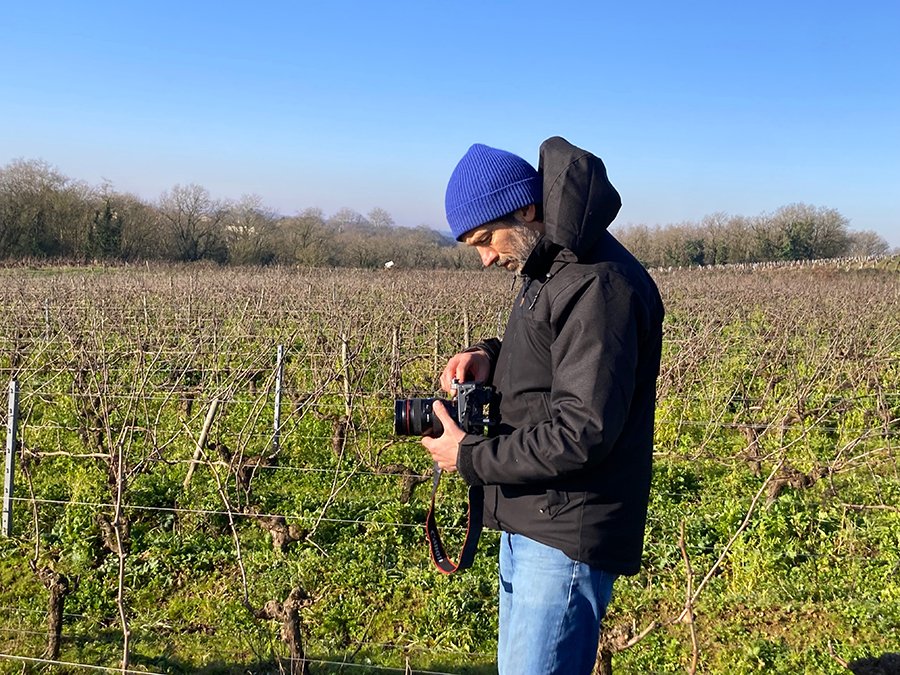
[882, 432]
[104, 669]
[211, 512]
[107, 669]
[385, 646]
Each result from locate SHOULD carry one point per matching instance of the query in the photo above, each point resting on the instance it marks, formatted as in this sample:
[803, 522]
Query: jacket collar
[542, 257]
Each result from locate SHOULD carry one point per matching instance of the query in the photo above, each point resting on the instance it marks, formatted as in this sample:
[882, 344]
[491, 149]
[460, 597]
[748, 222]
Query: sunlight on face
[504, 245]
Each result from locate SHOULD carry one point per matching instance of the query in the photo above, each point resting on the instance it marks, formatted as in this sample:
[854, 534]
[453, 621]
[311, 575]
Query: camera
[475, 409]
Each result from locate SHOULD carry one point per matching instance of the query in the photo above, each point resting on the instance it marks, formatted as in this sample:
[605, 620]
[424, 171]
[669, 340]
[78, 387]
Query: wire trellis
[199, 332]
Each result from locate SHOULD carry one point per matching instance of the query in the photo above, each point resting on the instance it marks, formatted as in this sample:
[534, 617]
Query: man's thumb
[440, 411]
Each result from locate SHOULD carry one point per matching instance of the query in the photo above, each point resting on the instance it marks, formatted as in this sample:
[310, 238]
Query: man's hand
[445, 448]
[466, 367]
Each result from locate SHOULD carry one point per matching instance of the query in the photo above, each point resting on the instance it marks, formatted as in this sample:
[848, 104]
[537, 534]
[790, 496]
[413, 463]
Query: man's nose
[488, 256]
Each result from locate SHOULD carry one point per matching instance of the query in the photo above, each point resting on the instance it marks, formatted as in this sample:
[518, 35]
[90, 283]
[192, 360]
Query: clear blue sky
[696, 107]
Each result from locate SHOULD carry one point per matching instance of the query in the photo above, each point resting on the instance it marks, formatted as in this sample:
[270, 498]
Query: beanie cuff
[485, 208]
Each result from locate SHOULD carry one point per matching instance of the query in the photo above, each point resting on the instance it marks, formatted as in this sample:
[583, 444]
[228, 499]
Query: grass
[778, 367]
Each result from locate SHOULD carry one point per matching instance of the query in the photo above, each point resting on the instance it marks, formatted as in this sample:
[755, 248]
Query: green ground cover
[776, 452]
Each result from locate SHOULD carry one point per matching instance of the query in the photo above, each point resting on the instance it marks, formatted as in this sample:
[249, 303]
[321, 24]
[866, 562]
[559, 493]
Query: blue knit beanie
[486, 184]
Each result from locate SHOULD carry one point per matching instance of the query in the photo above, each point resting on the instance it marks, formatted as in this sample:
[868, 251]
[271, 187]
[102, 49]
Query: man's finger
[447, 378]
[461, 372]
[441, 412]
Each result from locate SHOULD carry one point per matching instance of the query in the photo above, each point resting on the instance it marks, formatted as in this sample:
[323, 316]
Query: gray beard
[522, 241]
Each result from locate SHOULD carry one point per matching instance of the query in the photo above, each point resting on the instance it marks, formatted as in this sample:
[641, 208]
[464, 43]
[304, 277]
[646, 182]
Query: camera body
[476, 409]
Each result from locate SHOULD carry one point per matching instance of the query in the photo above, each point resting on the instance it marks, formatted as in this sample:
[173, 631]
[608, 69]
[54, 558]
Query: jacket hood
[579, 200]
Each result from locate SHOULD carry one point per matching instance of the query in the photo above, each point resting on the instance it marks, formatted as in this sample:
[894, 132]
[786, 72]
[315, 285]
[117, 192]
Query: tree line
[793, 232]
[47, 215]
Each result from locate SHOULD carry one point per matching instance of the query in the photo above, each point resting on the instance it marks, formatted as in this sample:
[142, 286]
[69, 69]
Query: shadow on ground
[886, 664]
[324, 666]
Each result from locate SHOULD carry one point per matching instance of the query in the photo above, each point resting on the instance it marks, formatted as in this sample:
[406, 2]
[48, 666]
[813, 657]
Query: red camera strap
[473, 530]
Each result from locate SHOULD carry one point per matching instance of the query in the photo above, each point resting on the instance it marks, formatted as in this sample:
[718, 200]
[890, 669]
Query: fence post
[345, 374]
[12, 423]
[279, 375]
[201, 442]
[396, 382]
[467, 333]
[435, 352]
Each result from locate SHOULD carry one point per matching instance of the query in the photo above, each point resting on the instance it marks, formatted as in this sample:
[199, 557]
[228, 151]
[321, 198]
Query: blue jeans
[550, 610]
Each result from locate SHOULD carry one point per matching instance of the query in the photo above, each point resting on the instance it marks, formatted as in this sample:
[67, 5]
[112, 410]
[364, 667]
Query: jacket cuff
[491, 347]
[465, 464]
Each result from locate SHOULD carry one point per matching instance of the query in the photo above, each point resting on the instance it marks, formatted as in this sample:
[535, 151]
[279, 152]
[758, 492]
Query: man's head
[507, 241]
[493, 203]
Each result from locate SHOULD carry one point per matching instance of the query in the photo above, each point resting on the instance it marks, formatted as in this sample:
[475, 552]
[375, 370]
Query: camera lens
[415, 417]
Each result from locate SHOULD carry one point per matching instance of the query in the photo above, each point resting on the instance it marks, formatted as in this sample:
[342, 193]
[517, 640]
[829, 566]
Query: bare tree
[346, 219]
[809, 232]
[714, 230]
[249, 231]
[141, 235]
[42, 212]
[380, 219]
[194, 222]
[303, 239]
[867, 243]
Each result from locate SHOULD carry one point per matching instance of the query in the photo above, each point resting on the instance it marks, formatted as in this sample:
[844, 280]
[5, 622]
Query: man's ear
[528, 213]
[528, 216]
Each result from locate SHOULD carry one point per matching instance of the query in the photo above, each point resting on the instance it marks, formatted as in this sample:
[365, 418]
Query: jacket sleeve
[491, 347]
[594, 359]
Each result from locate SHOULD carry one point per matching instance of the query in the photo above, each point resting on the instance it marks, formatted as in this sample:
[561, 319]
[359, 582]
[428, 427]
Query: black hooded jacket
[576, 370]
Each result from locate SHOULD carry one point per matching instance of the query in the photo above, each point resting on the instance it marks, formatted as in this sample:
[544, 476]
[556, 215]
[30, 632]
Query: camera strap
[473, 530]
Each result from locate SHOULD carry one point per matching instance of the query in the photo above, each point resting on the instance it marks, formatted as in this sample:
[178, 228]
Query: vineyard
[207, 480]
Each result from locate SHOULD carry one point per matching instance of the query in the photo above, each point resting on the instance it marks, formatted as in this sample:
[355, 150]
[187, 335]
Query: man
[566, 477]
